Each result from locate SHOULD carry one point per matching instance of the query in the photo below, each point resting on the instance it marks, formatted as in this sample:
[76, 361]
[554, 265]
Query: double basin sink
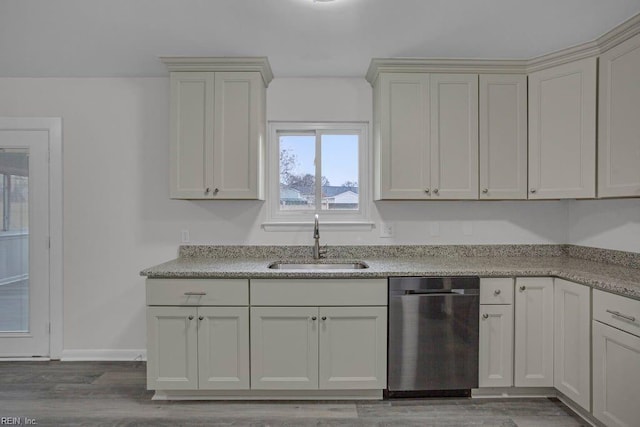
[338, 265]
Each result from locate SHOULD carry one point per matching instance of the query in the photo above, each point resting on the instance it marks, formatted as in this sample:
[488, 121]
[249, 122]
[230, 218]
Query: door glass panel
[14, 240]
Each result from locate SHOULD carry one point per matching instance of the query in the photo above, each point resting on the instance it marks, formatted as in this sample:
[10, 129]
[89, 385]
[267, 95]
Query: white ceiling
[301, 38]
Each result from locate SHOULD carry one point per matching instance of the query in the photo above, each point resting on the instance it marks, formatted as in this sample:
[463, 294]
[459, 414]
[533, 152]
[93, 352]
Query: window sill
[324, 226]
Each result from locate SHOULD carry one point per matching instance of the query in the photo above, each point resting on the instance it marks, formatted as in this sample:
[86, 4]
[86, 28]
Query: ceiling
[83, 38]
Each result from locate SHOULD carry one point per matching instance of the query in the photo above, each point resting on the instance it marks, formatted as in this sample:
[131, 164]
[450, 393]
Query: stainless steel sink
[341, 265]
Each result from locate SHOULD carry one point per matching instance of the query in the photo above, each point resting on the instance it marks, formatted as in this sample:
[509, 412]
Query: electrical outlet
[386, 229]
[184, 236]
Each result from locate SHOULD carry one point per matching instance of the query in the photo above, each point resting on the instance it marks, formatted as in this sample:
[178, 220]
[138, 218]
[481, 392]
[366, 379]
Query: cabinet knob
[190, 317]
[435, 190]
[216, 191]
[533, 190]
[485, 316]
[496, 292]
[324, 317]
[522, 288]
[426, 190]
[207, 190]
[314, 318]
[485, 190]
[201, 317]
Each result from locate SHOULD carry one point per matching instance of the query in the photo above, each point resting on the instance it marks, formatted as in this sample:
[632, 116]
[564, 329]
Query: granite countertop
[609, 277]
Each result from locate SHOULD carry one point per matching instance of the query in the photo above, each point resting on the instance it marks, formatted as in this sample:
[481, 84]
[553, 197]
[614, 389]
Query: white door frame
[52, 125]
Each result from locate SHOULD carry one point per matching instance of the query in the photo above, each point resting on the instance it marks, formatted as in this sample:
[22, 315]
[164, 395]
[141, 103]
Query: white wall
[118, 218]
[609, 224]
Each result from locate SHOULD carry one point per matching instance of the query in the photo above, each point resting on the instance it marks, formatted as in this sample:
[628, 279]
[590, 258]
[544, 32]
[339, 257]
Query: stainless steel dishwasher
[433, 336]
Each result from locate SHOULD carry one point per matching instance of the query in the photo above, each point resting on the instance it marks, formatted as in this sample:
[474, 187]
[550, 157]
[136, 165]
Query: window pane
[340, 172]
[14, 241]
[297, 172]
[18, 202]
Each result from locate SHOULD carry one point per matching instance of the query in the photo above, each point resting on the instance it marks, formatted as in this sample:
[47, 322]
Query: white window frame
[299, 220]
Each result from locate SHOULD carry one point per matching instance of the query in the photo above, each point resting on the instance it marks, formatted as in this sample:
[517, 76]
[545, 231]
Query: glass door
[24, 231]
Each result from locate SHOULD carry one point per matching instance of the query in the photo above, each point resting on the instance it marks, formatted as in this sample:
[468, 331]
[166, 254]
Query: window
[318, 168]
[14, 187]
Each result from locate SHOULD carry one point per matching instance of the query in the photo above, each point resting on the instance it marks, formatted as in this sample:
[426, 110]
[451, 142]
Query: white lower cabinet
[192, 348]
[616, 359]
[572, 359]
[495, 359]
[197, 334]
[534, 332]
[310, 348]
[496, 346]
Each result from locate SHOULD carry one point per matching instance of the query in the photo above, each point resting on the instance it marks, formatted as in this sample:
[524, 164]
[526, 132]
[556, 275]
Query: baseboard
[493, 392]
[580, 411]
[104, 355]
[267, 395]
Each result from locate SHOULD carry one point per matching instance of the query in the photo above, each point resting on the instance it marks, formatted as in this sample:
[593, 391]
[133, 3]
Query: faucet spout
[317, 252]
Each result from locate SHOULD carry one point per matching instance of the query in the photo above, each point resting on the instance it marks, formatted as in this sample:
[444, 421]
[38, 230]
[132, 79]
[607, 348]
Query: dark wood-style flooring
[114, 394]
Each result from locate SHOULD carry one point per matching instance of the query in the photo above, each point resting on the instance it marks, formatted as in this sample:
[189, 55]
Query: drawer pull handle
[485, 316]
[496, 292]
[190, 317]
[624, 316]
[324, 317]
[201, 293]
[523, 288]
[201, 318]
[314, 318]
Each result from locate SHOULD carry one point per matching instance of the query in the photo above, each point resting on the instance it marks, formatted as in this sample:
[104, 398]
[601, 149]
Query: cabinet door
[284, 348]
[496, 346]
[503, 136]
[572, 362]
[223, 348]
[454, 136]
[353, 348]
[619, 127]
[616, 377]
[562, 131]
[534, 332]
[402, 146]
[191, 135]
[172, 348]
[239, 135]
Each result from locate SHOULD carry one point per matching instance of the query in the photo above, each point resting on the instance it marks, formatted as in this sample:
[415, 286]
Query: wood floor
[114, 394]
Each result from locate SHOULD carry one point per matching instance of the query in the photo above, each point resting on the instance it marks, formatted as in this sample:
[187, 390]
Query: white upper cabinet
[503, 136]
[217, 127]
[562, 131]
[402, 142]
[619, 121]
[426, 136]
[454, 136]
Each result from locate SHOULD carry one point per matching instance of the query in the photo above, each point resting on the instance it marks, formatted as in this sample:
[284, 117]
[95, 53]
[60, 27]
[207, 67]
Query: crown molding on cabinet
[617, 35]
[435, 65]
[205, 63]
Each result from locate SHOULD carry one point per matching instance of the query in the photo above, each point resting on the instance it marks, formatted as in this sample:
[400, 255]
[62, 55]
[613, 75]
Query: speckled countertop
[610, 277]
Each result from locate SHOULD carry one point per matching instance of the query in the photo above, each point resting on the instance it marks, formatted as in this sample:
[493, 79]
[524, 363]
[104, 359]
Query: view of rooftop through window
[318, 172]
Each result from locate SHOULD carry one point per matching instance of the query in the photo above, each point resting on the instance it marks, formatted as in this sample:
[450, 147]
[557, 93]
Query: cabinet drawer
[318, 292]
[617, 311]
[197, 292]
[496, 291]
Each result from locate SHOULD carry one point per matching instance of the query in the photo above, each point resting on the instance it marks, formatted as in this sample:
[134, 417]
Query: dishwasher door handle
[441, 292]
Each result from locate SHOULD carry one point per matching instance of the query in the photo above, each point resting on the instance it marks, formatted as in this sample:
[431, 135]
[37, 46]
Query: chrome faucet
[317, 252]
